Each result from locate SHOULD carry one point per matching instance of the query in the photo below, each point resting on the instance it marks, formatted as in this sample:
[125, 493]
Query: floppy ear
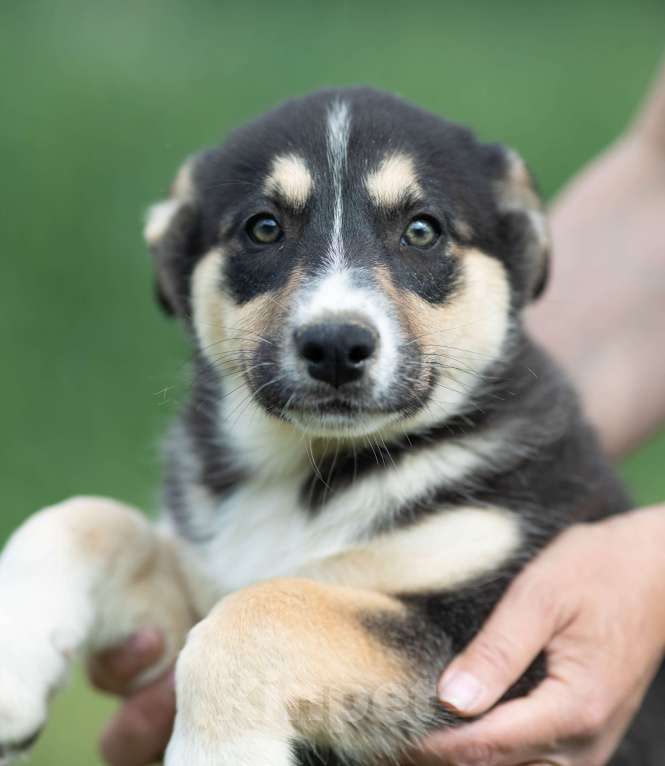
[524, 228]
[173, 234]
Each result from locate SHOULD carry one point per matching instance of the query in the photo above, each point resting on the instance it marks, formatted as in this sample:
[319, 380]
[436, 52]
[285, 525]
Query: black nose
[336, 353]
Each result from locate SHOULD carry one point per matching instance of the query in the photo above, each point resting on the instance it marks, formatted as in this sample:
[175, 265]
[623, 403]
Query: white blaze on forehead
[338, 128]
[290, 177]
[393, 181]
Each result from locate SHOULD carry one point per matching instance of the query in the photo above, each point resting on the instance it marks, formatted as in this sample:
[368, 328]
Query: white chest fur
[261, 530]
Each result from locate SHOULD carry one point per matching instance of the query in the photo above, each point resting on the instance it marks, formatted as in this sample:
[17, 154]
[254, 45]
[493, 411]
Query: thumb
[520, 626]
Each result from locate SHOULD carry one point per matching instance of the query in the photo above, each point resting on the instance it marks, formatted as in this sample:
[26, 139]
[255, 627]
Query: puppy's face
[350, 261]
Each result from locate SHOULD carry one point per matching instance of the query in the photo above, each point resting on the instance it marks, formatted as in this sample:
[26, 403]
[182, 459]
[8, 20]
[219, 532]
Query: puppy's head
[353, 261]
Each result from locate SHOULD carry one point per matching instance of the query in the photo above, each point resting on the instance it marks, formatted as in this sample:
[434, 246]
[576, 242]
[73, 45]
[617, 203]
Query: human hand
[595, 600]
[604, 642]
[139, 733]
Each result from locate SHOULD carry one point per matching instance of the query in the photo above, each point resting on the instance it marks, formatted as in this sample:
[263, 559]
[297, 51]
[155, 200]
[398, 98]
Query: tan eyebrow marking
[290, 177]
[393, 181]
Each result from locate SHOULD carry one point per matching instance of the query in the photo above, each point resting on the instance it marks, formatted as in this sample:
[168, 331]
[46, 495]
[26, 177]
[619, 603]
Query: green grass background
[99, 102]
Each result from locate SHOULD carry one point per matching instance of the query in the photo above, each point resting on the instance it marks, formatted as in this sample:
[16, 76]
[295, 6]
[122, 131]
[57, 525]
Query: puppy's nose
[336, 353]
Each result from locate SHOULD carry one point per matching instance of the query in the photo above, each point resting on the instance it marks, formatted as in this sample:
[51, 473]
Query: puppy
[372, 450]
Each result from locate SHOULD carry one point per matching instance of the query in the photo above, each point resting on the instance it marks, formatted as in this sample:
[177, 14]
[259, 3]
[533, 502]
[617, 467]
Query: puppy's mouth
[333, 406]
[325, 413]
[338, 417]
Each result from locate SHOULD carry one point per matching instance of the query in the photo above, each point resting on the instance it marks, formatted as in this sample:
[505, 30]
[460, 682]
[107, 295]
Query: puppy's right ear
[173, 234]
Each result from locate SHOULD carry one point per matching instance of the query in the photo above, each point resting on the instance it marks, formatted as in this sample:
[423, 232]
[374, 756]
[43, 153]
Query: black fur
[559, 476]
[457, 172]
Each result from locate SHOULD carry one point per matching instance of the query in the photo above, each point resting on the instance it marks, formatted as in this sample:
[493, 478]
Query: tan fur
[468, 329]
[206, 304]
[283, 655]
[229, 333]
[441, 552]
[464, 229]
[516, 193]
[246, 324]
[182, 187]
[109, 572]
[143, 564]
[516, 190]
[290, 178]
[471, 325]
[394, 180]
[396, 296]
[292, 652]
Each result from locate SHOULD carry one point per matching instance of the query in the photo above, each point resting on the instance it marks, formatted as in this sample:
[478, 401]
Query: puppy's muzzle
[336, 353]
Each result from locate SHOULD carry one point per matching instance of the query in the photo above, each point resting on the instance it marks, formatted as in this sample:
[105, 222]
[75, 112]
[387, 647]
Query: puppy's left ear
[173, 231]
[523, 224]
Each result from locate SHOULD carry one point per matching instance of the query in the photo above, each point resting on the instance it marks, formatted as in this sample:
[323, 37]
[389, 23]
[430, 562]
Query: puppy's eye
[263, 229]
[421, 232]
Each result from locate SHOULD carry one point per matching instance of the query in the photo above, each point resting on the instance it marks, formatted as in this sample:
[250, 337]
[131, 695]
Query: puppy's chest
[266, 528]
[262, 529]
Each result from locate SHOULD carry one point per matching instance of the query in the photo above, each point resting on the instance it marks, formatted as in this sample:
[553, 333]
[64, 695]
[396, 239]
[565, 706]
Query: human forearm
[650, 120]
[604, 313]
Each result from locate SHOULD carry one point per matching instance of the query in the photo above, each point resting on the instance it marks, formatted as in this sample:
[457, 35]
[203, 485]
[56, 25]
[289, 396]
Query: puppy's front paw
[250, 750]
[27, 681]
[12, 752]
[22, 717]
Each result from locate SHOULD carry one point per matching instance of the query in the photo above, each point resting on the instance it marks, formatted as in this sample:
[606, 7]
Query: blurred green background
[101, 101]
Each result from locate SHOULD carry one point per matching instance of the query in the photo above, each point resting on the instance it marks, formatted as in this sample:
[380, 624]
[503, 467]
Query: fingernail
[460, 691]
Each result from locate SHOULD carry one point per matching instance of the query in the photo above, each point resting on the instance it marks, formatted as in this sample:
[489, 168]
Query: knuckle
[548, 601]
[496, 652]
[534, 592]
[590, 720]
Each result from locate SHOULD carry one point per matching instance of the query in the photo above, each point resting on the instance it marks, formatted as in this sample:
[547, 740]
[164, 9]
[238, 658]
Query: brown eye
[264, 229]
[421, 232]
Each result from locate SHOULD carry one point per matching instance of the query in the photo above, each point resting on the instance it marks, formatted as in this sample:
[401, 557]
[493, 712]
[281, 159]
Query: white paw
[250, 750]
[27, 680]
[15, 753]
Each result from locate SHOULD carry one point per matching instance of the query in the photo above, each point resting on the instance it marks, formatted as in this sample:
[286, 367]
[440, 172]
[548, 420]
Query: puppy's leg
[81, 575]
[291, 664]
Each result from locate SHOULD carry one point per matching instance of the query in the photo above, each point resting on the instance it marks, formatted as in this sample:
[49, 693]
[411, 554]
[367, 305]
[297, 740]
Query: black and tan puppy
[372, 450]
